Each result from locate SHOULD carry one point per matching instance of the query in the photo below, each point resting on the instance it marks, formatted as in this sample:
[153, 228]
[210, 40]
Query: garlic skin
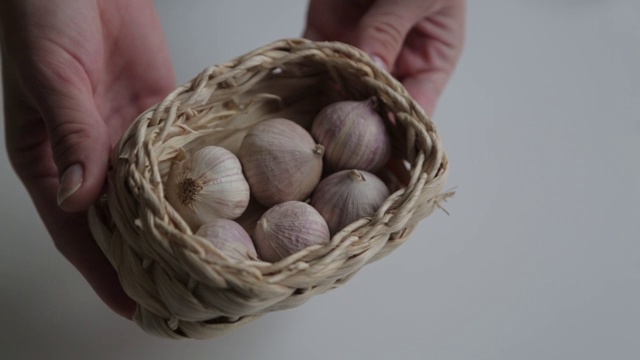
[206, 185]
[348, 195]
[251, 215]
[288, 228]
[281, 161]
[230, 238]
[353, 134]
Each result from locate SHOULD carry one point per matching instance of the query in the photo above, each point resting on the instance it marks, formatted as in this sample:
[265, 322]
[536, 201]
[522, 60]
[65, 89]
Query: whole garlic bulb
[281, 161]
[230, 238]
[206, 185]
[288, 228]
[353, 134]
[348, 195]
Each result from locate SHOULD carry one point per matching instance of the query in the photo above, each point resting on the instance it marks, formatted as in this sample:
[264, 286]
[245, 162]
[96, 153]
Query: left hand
[76, 73]
[418, 41]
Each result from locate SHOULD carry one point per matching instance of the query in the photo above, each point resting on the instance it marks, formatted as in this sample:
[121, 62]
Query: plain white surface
[540, 258]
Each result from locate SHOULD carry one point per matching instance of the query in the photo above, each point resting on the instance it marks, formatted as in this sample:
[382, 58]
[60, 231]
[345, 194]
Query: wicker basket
[183, 286]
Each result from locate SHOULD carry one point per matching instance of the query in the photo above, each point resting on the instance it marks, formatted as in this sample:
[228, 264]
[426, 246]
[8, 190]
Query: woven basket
[184, 287]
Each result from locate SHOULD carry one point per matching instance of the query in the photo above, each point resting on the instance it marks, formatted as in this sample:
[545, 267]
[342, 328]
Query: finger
[312, 34]
[426, 88]
[432, 51]
[332, 20]
[99, 273]
[314, 14]
[80, 144]
[73, 240]
[88, 259]
[382, 30]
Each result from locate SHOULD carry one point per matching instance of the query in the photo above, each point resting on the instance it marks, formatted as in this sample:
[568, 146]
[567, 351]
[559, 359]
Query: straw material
[184, 287]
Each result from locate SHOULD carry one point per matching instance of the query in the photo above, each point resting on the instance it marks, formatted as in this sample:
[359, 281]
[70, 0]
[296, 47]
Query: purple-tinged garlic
[229, 238]
[348, 195]
[287, 228]
[353, 134]
[207, 185]
[281, 161]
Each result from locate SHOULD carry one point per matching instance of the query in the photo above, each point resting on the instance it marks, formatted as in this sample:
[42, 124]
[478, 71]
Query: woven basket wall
[184, 287]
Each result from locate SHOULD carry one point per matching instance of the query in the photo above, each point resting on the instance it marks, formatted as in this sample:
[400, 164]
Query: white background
[540, 258]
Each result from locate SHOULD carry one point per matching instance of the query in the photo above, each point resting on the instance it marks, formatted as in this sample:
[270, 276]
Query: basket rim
[132, 175]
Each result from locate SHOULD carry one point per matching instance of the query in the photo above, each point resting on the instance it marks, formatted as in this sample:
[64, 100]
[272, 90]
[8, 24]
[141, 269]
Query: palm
[112, 57]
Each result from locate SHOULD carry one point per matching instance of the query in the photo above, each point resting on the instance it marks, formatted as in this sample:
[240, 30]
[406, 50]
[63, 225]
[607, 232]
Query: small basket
[183, 286]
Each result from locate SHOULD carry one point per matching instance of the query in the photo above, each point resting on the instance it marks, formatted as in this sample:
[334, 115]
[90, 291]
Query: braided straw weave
[184, 287]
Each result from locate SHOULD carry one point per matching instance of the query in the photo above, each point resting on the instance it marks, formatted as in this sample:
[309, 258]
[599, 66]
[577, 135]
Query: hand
[76, 73]
[418, 41]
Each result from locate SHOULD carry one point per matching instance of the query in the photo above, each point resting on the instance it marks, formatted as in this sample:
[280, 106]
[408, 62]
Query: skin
[418, 41]
[76, 73]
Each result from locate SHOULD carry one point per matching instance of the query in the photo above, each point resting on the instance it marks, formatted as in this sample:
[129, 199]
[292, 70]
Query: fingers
[418, 41]
[382, 30]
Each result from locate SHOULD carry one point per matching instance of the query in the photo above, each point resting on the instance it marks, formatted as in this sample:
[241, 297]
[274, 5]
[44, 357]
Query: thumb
[382, 30]
[80, 145]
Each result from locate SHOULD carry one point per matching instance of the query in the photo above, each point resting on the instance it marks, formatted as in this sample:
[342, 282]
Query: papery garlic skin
[207, 185]
[353, 134]
[287, 228]
[229, 238]
[348, 195]
[281, 161]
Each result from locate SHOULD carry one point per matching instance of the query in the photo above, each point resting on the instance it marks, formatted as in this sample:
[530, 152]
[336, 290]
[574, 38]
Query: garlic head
[207, 185]
[281, 161]
[287, 228]
[230, 238]
[348, 195]
[353, 134]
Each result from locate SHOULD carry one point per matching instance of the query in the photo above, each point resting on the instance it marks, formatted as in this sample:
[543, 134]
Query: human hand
[76, 73]
[418, 41]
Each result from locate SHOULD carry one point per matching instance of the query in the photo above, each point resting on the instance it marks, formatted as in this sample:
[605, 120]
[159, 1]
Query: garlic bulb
[230, 238]
[280, 161]
[206, 185]
[288, 228]
[353, 134]
[348, 195]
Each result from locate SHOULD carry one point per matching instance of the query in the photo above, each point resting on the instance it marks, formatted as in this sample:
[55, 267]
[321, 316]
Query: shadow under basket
[184, 287]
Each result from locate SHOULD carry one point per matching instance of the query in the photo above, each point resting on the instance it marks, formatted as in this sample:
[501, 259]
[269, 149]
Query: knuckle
[389, 28]
[67, 138]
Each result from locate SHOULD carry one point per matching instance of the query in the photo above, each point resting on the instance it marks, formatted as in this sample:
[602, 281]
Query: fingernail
[379, 63]
[70, 182]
